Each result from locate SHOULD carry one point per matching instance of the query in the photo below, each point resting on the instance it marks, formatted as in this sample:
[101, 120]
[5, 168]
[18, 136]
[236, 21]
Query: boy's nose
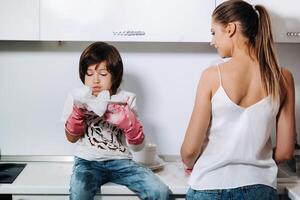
[96, 78]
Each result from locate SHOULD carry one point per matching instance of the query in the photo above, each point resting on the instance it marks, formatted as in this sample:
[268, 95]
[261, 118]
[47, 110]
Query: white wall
[35, 78]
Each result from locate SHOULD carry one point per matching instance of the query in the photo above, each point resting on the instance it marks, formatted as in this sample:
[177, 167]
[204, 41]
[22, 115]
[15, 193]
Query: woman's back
[227, 142]
[241, 79]
[239, 148]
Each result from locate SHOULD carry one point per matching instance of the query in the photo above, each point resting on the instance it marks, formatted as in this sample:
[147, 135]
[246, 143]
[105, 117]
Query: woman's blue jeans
[88, 176]
[251, 192]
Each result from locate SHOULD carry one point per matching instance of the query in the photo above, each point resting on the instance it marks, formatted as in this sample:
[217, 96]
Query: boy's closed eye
[102, 72]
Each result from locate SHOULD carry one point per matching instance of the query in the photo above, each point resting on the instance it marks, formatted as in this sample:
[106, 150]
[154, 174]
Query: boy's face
[98, 78]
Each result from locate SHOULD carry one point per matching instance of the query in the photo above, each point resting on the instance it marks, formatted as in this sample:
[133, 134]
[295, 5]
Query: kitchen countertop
[52, 178]
[293, 191]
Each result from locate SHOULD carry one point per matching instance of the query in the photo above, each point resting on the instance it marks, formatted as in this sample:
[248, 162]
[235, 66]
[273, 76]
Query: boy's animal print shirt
[102, 140]
[103, 135]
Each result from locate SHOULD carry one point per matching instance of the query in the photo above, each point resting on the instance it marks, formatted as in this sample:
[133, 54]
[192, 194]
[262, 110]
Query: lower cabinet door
[40, 197]
[66, 197]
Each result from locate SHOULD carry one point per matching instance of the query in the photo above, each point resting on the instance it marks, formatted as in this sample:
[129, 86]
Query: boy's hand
[76, 121]
[83, 98]
[125, 119]
[120, 115]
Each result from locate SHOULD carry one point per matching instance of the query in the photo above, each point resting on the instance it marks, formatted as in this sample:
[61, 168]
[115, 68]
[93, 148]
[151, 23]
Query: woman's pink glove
[188, 171]
[125, 119]
[76, 121]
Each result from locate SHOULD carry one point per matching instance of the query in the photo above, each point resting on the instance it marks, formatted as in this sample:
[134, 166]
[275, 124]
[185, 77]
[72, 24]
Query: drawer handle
[293, 34]
[129, 33]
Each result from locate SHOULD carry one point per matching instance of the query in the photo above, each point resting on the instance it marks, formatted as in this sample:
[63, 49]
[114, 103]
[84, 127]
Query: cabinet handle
[293, 34]
[129, 33]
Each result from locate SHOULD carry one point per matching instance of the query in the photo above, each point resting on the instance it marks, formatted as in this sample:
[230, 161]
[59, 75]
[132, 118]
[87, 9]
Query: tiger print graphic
[104, 135]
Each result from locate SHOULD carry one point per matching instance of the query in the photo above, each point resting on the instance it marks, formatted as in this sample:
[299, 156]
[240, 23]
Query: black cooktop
[10, 171]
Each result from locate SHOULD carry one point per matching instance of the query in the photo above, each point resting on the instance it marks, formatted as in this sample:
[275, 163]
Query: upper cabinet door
[19, 19]
[126, 20]
[285, 17]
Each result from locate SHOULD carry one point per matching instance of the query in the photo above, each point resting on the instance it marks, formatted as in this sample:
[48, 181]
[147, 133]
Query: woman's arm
[286, 130]
[199, 121]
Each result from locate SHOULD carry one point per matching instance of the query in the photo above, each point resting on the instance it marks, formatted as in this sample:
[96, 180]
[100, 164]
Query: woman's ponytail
[265, 53]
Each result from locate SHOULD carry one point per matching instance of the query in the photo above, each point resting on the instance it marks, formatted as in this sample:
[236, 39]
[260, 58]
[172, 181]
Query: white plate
[159, 164]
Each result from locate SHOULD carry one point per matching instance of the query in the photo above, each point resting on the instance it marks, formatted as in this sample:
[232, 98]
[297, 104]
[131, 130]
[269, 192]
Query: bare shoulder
[210, 74]
[209, 80]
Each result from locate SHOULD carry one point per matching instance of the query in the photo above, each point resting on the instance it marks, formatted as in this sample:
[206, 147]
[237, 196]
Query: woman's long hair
[255, 25]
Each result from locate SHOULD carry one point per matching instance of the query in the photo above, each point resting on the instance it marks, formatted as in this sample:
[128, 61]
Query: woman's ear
[230, 29]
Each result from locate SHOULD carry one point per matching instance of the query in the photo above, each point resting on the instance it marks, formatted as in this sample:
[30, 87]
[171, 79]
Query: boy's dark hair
[97, 53]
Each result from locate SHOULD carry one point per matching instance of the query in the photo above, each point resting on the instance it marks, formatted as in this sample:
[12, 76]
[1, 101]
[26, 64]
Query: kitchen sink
[286, 175]
[282, 174]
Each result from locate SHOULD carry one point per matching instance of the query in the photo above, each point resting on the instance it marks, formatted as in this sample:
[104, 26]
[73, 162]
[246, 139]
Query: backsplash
[35, 78]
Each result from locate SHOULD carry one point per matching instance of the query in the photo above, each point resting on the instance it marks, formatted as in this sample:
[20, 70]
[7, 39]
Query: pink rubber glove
[125, 119]
[75, 123]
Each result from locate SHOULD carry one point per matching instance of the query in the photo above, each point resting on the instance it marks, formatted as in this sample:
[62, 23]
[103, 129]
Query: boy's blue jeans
[88, 176]
[251, 192]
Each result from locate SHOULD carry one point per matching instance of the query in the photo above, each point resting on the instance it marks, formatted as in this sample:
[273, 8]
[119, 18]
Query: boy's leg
[139, 179]
[86, 179]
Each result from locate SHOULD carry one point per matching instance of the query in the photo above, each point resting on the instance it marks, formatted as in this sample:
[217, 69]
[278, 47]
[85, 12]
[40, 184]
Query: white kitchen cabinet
[126, 20]
[19, 19]
[285, 17]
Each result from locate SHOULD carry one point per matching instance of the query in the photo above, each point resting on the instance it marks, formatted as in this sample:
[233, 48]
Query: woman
[228, 140]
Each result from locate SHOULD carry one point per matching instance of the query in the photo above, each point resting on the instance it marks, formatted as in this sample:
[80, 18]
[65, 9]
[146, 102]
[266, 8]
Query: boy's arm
[75, 125]
[136, 147]
[72, 138]
[73, 117]
[125, 119]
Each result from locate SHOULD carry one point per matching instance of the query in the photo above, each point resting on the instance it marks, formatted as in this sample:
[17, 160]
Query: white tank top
[239, 149]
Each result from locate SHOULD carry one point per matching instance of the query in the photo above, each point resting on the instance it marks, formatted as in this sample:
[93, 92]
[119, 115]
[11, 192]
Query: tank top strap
[220, 77]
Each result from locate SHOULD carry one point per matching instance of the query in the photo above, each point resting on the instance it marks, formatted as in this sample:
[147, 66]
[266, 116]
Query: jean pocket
[260, 192]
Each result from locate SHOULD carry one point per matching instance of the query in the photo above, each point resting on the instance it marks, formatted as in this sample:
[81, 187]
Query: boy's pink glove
[125, 119]
[75, 123]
